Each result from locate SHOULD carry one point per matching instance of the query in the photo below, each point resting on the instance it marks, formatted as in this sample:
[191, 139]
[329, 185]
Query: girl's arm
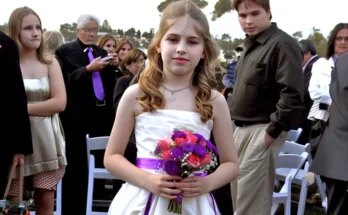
[224, 140]
[57, 101]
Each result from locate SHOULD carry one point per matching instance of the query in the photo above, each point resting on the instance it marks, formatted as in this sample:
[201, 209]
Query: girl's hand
[163, 185]
[193, 186]
[18, 159]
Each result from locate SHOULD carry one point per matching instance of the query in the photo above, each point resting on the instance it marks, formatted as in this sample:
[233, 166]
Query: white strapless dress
[149, 128]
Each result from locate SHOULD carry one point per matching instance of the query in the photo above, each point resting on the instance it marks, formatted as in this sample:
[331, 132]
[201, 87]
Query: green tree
[138, 34]
[221, 7]
[120, 32]
[297, 35]
[130, 32]
[68, 31]
[3, 27]
[225, 37]
[320, 42]
[105, 27]
[145, 35]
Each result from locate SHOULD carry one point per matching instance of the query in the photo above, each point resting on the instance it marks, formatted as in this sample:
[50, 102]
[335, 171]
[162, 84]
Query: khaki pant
[252, 190]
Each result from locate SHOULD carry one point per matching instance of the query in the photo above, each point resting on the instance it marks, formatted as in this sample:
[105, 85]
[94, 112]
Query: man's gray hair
[85, 18]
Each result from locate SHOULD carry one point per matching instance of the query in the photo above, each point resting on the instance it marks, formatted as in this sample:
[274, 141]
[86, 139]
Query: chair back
[293, 135]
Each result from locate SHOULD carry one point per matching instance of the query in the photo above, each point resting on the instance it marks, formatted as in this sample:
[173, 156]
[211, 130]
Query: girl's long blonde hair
[203, 77]
[14, 30]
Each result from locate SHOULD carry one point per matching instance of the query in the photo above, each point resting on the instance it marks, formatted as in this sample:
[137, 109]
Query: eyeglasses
[339, 39]
[90, 30]
[139, 62]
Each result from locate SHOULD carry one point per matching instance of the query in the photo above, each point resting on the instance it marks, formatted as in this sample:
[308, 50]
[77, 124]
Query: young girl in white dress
[176, 89]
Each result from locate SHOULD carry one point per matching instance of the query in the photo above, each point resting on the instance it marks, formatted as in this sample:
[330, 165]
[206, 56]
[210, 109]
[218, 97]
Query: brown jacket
[269, 81]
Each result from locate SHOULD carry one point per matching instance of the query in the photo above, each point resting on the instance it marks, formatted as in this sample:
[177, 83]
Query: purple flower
[215, 150]
[209, 145]
[172, 167]
[177, 153]
[212, 148]
[178, 198]
[178, 134]
[157, 150]
[188, 147]
[200, 151]
[199, 137]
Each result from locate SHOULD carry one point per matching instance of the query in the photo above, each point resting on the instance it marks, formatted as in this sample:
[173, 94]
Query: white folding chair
[95, 143]
[293, 163]
[298, 149]
[58, 200]
[324, 204]
[293, 135]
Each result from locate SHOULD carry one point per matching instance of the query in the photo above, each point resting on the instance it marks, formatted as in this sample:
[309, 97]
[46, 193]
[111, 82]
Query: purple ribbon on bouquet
[155, 164]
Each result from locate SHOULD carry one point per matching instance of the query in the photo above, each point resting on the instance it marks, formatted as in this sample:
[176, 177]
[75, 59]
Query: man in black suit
[14, 111]
[309, 58]
[89, 84]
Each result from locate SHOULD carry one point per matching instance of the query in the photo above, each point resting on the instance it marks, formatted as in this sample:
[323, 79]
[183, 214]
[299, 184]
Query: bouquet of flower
[20, 207]
[16, 208]
[184, 153]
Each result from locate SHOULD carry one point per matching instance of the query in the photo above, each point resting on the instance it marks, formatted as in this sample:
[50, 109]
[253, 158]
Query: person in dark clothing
[15, 113]
[309, 58]
[228, 79]
[130, 66]
[267, 97]
[89, 85]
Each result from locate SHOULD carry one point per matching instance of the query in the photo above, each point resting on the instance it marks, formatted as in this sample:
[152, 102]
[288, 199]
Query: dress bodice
[37, 89]
[46, 131]
[150, 127]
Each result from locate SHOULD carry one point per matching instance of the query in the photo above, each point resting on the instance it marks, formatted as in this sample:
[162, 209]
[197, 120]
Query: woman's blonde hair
[103, 39]
[15, 26]
[52, 40]
[203, 77]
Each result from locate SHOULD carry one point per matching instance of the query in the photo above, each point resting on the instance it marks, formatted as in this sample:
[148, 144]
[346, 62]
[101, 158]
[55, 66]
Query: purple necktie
[97, 82]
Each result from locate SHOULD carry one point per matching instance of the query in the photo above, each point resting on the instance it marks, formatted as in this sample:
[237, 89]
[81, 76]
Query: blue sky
[291, 15]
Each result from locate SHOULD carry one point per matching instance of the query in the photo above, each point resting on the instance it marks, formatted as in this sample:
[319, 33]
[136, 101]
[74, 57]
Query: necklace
[172, 97]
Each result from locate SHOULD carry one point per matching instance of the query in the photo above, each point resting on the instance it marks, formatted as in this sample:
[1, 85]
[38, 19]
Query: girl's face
[136, 64]
[181, 48]
[110, 46]
[30, 34]
[124, 50]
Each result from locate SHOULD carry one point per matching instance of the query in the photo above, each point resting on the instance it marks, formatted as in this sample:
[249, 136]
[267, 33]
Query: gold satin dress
[48, 161]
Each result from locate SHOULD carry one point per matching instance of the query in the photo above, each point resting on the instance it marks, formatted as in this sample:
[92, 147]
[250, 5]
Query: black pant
[75, 180]
[337, 196]
[317, 131]
[223, 195]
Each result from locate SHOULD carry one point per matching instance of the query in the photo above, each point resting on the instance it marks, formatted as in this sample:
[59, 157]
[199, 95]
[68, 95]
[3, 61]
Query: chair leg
[90, 186]
[321, 186]
[287, 205]
[59, 199]
[274, 208]
[303, 197]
